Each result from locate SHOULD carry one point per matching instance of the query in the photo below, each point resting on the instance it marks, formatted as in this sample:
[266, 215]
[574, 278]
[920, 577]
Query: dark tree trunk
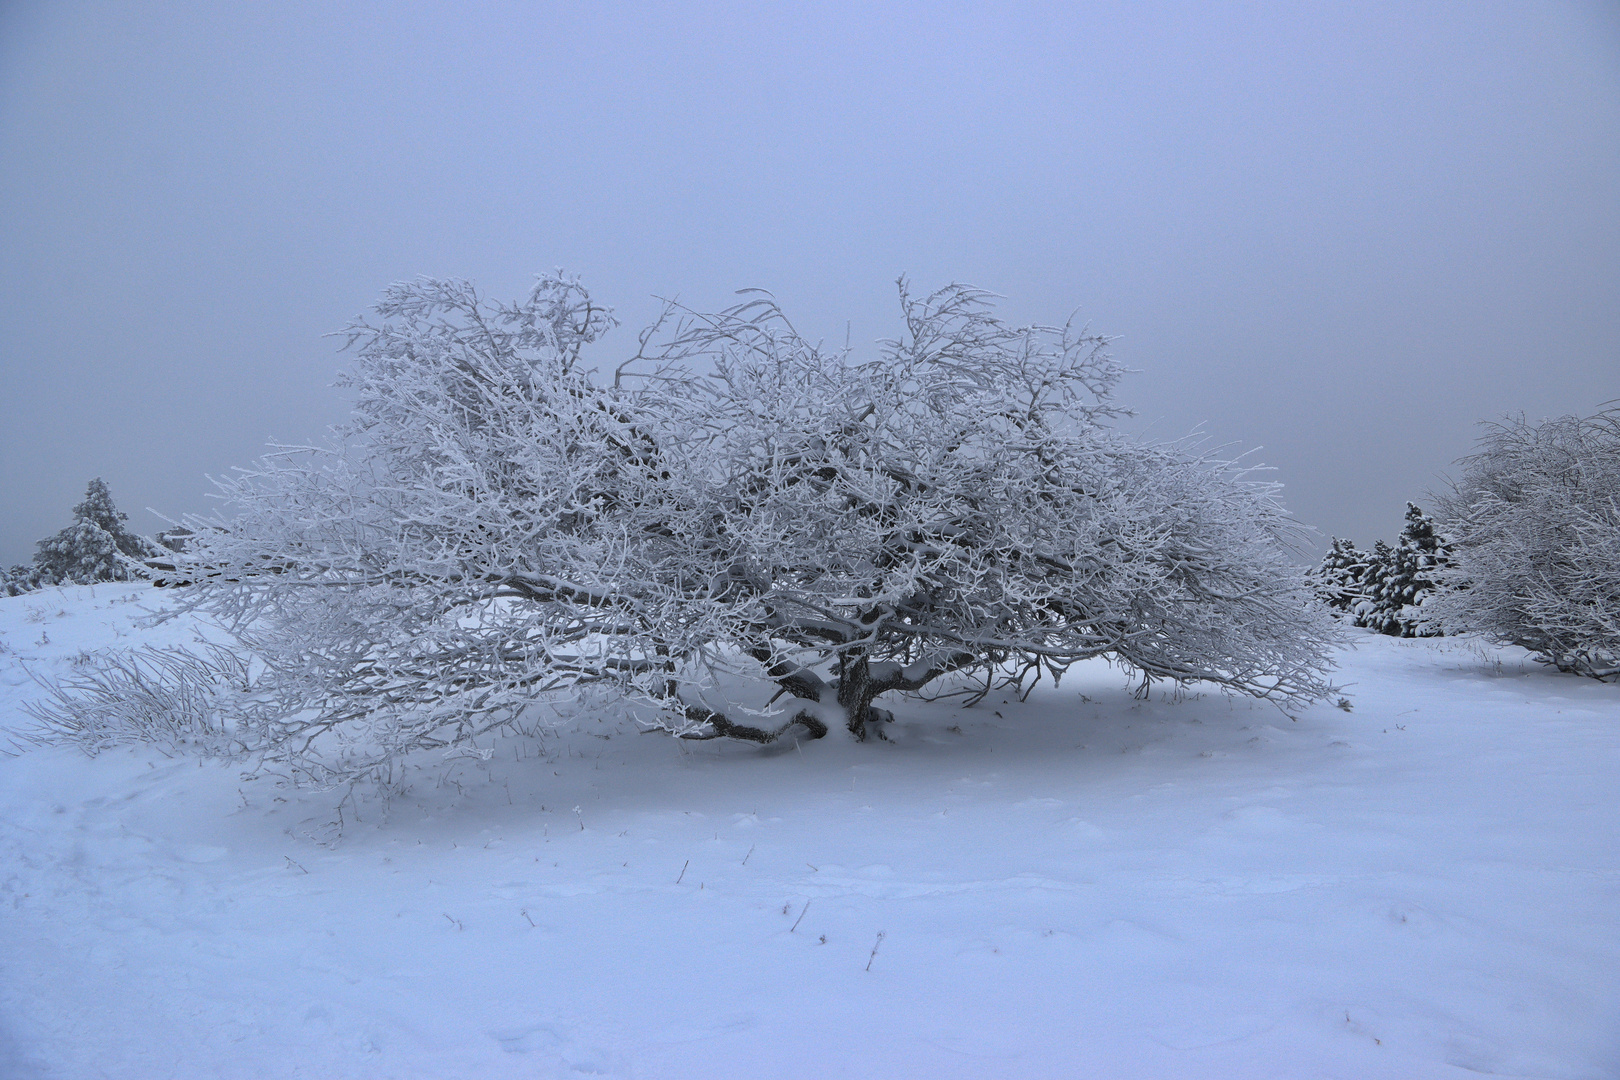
[856, 691]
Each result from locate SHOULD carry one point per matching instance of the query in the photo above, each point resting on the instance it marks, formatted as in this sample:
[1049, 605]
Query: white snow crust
[1081, 885]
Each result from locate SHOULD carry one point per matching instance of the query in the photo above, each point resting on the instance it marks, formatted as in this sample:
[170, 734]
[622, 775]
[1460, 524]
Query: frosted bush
[177, 700]
[1534, 524]
[499, 533]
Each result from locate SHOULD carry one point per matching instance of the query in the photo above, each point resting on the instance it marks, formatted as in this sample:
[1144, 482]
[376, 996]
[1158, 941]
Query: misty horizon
[1335, 239]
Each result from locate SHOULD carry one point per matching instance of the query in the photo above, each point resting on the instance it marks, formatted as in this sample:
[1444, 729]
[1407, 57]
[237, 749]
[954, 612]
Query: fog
[1333, 235]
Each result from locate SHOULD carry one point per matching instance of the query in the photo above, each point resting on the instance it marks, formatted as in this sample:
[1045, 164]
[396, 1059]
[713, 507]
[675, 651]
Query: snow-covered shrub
[1534, 524]
[178, 700]
[18, 580]
[466, 549]
[956, 505]
[160, 565]
[96, 547]
[498, 529]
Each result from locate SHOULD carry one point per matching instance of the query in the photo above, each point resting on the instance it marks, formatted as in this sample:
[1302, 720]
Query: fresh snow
[1081, 885]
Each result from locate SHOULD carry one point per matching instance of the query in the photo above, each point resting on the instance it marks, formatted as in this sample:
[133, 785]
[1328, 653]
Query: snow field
[1079, 885]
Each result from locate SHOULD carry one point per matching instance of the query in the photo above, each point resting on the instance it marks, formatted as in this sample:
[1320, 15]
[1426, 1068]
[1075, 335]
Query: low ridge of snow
[1083, 884]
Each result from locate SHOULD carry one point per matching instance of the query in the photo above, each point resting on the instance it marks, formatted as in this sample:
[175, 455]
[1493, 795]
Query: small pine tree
[1371, 609]
[1395, 581]
[1341, 573]
[1420, 553]
[96, 547]
[1419, 535]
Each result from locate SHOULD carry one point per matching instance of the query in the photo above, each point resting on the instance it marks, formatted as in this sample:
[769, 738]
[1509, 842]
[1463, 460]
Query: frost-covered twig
[171, 698]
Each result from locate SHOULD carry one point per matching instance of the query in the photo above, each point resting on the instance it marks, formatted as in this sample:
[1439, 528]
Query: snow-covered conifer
[1372, 608]
[1420, 554]
[96, 547]
[1386, 588]
[1339, 575]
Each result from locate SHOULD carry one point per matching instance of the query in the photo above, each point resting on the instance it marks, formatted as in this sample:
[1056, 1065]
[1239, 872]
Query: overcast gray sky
[1339, 232]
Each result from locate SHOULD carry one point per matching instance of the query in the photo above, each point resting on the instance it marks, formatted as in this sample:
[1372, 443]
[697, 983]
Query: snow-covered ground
[1083, 885]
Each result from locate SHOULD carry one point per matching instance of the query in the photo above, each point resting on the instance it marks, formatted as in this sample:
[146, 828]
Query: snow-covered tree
[1339, 576]
[498, 528]
[956, 505]
[469, 546]
[1534, 524]
[1399, 579]
[96, 547]
[1372, 609]
[1385, 589]
[1420, 556]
